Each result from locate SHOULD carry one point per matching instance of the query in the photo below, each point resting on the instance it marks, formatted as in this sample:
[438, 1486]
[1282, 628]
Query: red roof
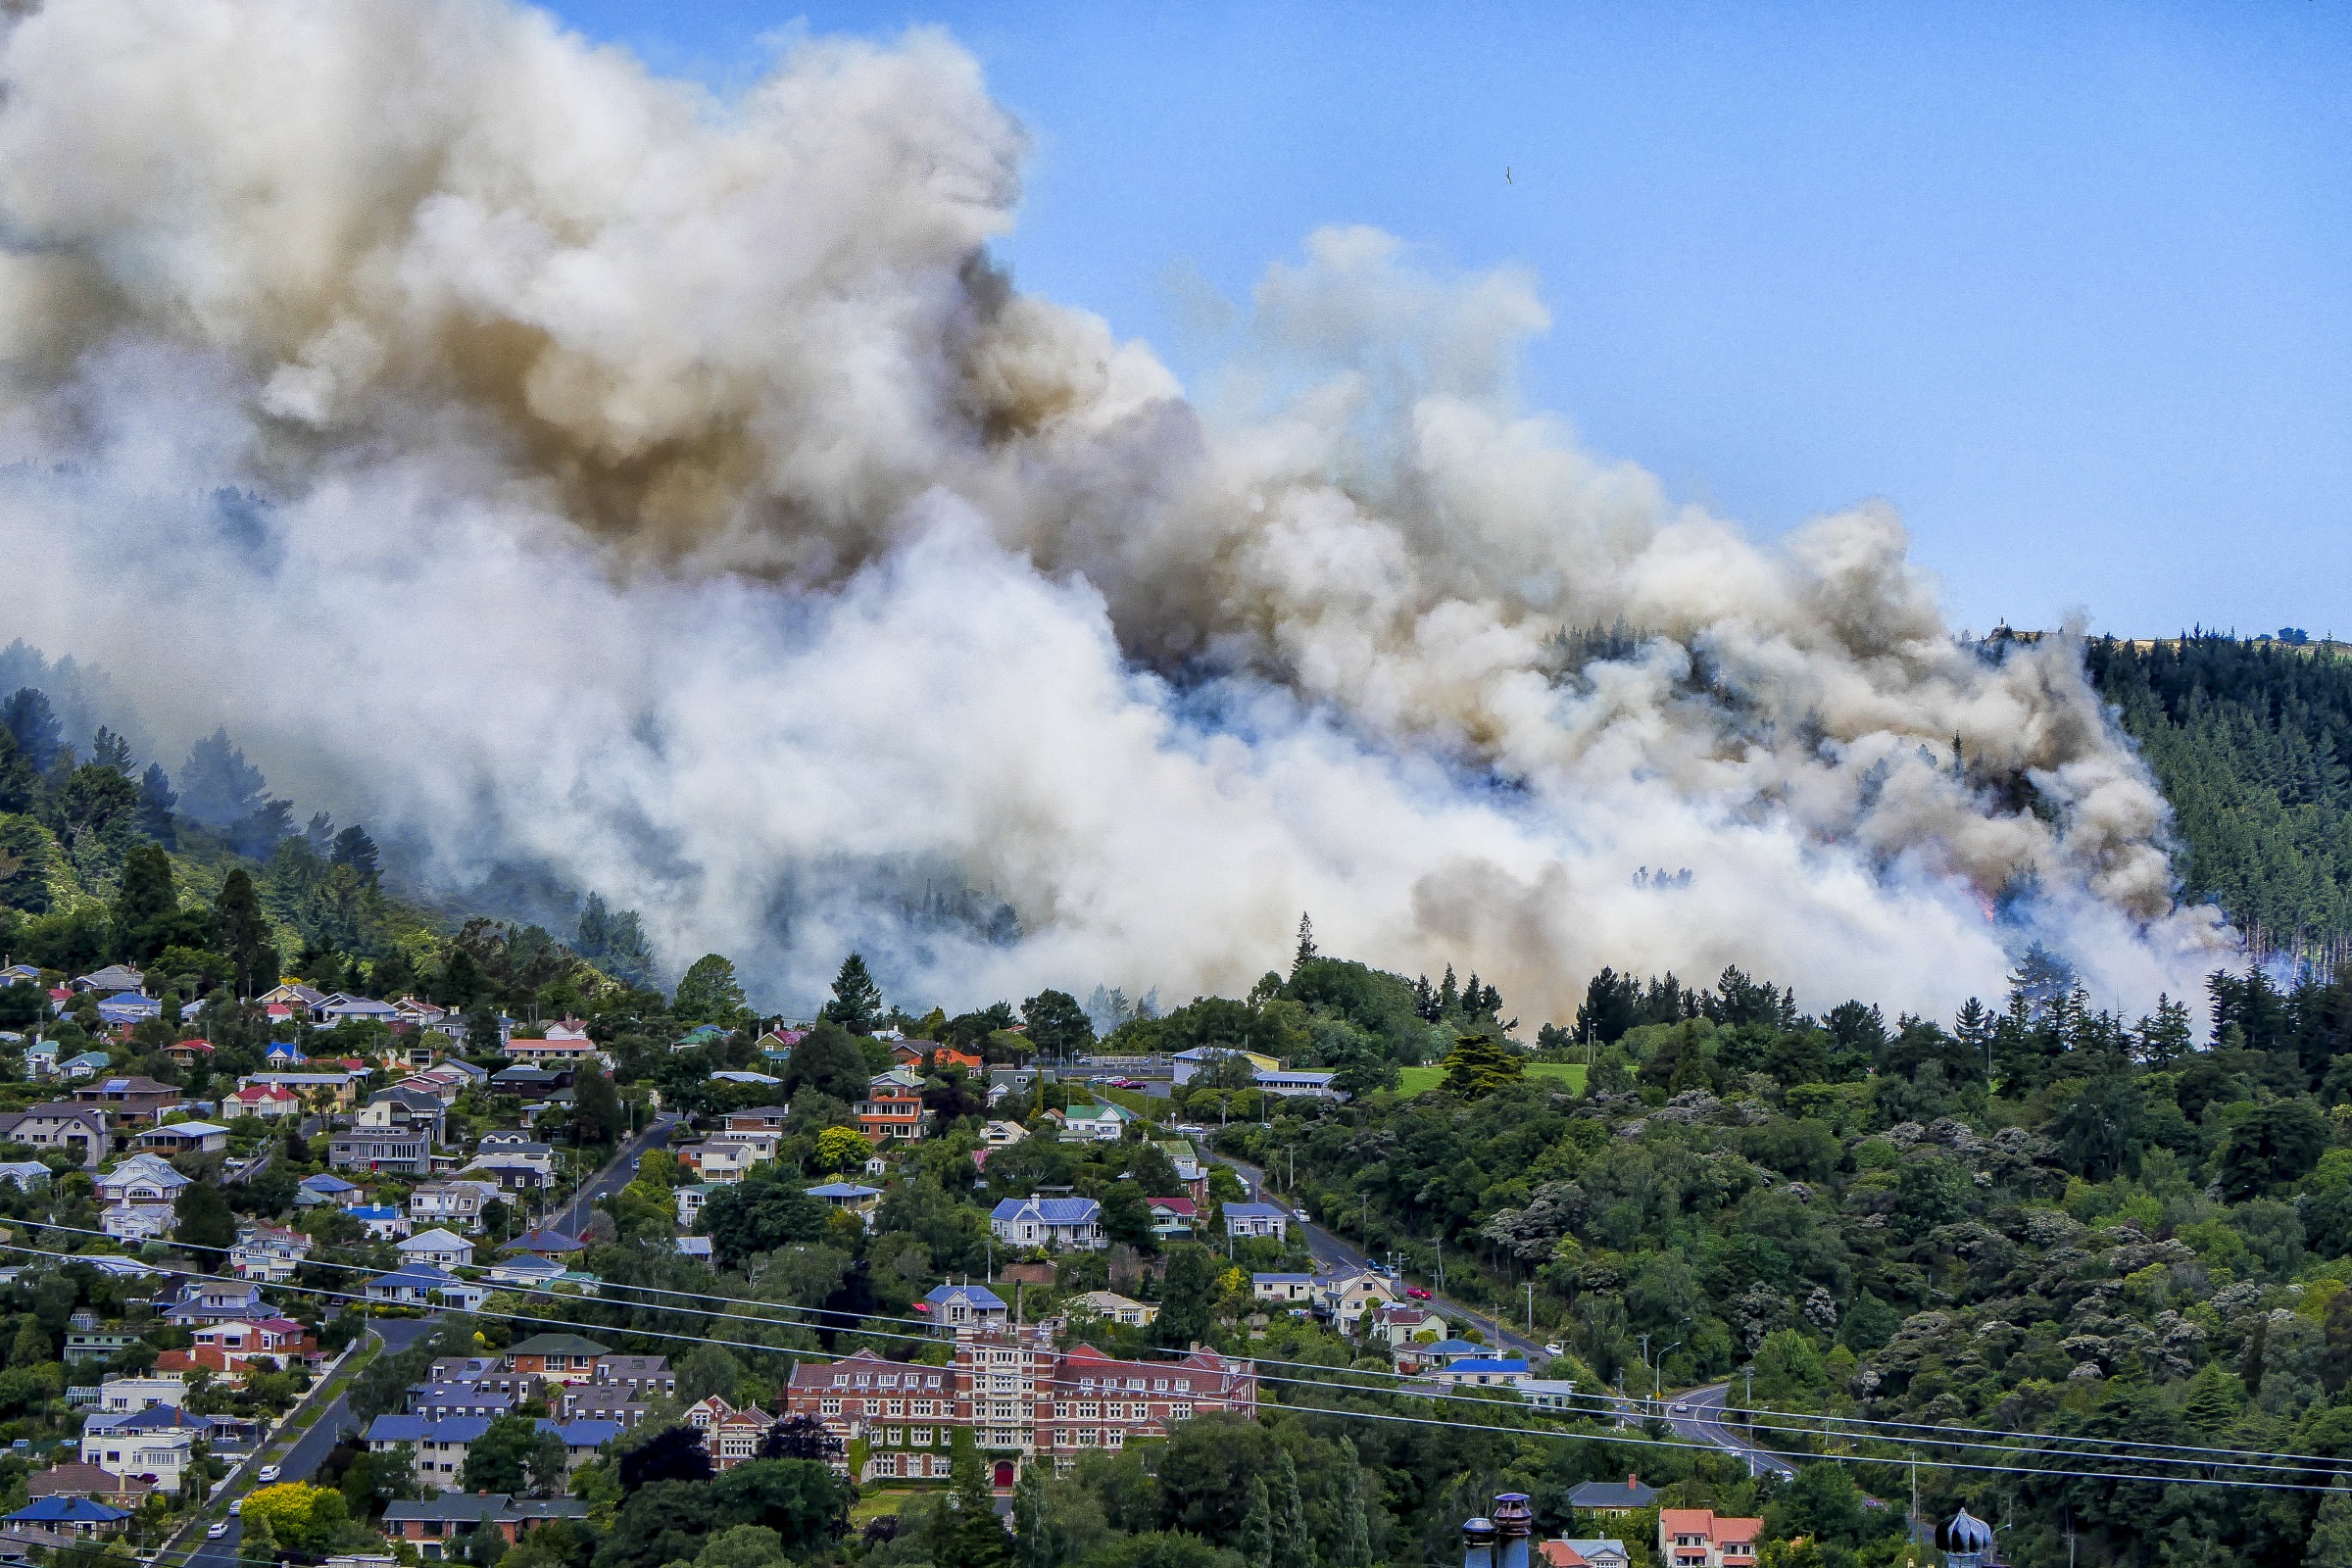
[253, 1092]
[1181, 1207]
[191, 1045]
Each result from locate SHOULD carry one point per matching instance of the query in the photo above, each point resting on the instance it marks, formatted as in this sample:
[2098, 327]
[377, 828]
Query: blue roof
[1471, 1363]
[422, 1276]
[843, 1189]
[979, 1296]
[368, 1211]
[324, 1183]
[418, 1428]
[1283, 1279]
[1051, 1210]
[1257, 1211]
[583, 1434]
[68, 1510]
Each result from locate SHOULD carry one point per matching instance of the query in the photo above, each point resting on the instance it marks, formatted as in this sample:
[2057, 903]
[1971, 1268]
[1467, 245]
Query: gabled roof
[421, 1428]
[1181, 1207]
[557, 1344]
[1048, 1210]
[843, 1189]
[414, 1276]
[544, 1240]
[434, 1241]
[324, 1183]
[55, 1510]
[1256, 1211]
[979, 1296]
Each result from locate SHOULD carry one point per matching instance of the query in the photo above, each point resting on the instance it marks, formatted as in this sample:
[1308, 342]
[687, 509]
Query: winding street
[1704, 1423]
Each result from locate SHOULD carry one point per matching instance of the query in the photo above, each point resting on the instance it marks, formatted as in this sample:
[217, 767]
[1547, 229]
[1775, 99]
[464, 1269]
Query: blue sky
[2070, 284]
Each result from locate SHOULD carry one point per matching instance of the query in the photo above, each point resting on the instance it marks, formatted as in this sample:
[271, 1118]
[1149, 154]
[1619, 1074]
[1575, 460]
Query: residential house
[79, 1130]
[402, 1110]
[437, 1528]
[184, 1138]
[130, 1103]
[548, 1242]
[850, 1197]
[440, 1444]
[144, 1178]
[1113, 1308]
[188, 1052]
[691, 1199]
[439, 1402]
[735, 1076]
[729, 1436]
[1488, 1371]
[156, 1444]
[1557, 1395]
[1282, 1289]
[228, 1346]
[419, 1015]
[756, 1119]
[59, 1520]
[405, 1151]
[1098, 1123]
[587, 1401]
[1052, 1222]
[127, 1394]
[532, 1085]
[525, 1273]
[697, 1248]
[512, 1143]
[77, 1479]
[270, 1101]
[1173, 1219]
[293, 994]
[893, 1107]
[335, 1091]
[325, 1191]
[112, 980]
[1698, 1537]
[1257, 1219]
[381, 1221]
[417, 1285]
[966, 1307]
[97, 1345]
[1405, 1324]
[127, 1010]
[456, 1203]
[557, 1357]
[926, 1056]
[724, 1158]
[1610, 1499]
[584, 1439]
[443, 1249]
[268, 1252]
[1003, 1134]
[641, 1376]
[89, 1065]
[1346, 1298]
[25, 1175]
[1593, 1552]
[205, 1300]
[333, 1010]
[567, 1043]
[136, 1223]
[1186, 1159]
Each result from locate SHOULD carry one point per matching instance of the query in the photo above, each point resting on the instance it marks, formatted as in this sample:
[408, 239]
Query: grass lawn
[1421, 1080]
[875, 1505]
[1126, 1099]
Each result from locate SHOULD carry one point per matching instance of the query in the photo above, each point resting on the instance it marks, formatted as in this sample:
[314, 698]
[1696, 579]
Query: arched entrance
[1003, 1474]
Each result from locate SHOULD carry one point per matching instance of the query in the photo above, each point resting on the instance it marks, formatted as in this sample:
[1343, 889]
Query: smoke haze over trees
[671, 497]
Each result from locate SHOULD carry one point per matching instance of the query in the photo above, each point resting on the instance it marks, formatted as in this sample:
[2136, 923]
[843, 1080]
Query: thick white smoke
[669, 491]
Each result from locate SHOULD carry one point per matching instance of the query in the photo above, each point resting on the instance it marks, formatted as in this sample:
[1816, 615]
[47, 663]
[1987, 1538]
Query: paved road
[572, 1219]
[1705, 1423]
[310, 1450]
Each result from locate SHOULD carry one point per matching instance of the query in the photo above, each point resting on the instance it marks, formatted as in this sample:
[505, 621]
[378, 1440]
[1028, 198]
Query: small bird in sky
[1506, 175]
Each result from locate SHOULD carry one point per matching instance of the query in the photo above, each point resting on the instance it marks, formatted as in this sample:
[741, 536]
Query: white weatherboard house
[1055, 1222]
[440, 1248]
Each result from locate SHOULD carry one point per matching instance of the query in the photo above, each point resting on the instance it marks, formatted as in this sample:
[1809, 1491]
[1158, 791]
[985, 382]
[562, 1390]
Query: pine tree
[145, 898]
[1449, 993]
[2331, 1543]
[1355, 1549]
[964, 1530]
[1033, 1541]
[2211, 1402]
[200, 1218]
[2167, 1036]
[1256, 1540]
[155, 799]
[242, 932]
[856, 1000]
[1293, 1547]
[109, 750]
[1306, 953]
[355, 849]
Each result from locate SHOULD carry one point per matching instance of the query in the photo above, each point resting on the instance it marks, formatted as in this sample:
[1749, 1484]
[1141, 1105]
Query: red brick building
[1021, 1398]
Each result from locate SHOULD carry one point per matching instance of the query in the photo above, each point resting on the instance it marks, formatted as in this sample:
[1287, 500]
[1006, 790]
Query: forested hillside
[2252, 741]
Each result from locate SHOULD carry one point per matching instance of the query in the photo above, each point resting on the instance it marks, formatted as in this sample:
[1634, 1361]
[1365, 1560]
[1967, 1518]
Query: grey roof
[1049, 1210]
[1626, 1493]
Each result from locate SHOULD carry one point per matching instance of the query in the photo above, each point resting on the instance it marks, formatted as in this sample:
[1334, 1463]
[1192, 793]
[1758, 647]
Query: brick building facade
[1021, 1398]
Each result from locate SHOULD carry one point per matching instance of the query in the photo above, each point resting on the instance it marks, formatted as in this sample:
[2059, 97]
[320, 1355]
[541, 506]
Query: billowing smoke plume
[544, 455]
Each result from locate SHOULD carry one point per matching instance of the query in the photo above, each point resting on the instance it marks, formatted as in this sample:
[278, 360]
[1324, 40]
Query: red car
[1416, 1293]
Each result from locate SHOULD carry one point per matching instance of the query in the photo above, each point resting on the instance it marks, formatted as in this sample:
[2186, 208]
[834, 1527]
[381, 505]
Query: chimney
[1478, 1544]
[1513, 1522]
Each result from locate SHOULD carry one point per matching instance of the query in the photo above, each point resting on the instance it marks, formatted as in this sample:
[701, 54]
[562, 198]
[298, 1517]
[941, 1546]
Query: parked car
[1416, 1293]
[1556, 1350]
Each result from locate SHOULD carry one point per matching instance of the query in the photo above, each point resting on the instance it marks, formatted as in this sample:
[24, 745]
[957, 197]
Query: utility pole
[1530, 1308]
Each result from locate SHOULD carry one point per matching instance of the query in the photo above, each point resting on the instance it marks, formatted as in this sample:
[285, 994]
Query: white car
[238, 1506]
[216, 1530]
[1555, 1350]
[1682, 1409]
[268, 1474]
